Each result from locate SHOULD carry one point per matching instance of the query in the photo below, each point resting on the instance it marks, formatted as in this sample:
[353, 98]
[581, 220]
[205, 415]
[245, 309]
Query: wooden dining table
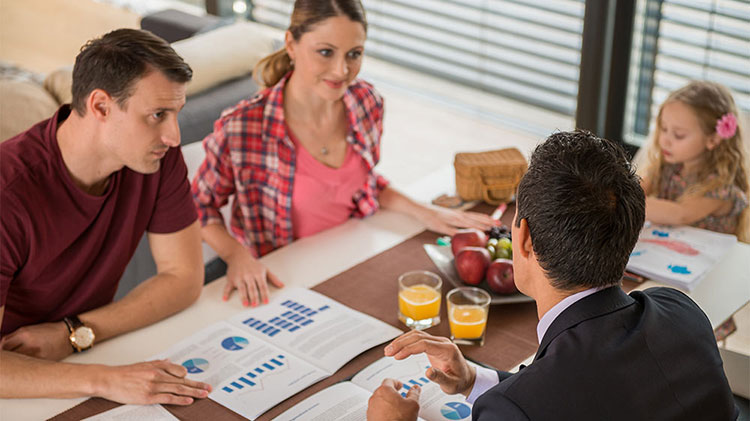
[357, 264]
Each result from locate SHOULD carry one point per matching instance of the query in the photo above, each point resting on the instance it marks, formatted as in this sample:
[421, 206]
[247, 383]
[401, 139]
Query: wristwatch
[81, 336]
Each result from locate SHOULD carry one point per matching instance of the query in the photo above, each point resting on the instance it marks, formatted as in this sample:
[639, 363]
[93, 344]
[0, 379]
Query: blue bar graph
[237, 385]
[307, 322]
[325, 307]
[251, 374]
[259, 371]
[268, 366]
[227, 389]
[292, 329]
[275, 361]
[248, 382]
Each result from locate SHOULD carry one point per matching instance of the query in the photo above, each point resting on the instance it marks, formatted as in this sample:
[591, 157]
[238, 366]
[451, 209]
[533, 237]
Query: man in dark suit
[603, 355]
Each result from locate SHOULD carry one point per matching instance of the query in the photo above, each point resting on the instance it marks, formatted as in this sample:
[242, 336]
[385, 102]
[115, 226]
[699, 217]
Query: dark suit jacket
[610, 356]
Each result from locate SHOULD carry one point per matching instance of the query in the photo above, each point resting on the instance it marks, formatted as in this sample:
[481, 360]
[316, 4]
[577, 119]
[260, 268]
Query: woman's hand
[250, 277]
[447, 221]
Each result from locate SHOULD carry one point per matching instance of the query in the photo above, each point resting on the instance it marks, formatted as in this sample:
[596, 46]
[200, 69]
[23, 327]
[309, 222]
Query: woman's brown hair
[306, 14]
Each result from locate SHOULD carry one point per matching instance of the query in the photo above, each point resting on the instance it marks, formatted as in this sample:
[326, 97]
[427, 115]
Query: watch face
[83, 337]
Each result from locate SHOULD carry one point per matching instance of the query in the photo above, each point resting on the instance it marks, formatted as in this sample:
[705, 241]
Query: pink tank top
[321, 195]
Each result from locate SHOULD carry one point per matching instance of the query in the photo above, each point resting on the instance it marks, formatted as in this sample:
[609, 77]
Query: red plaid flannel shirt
[250, 156]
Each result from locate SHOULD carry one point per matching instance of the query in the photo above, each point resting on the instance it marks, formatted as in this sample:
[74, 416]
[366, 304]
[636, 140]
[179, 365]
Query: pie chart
[455, 411]
[196, 365]
[234, 343]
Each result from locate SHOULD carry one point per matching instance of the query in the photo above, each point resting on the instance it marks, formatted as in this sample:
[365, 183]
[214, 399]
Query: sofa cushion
[59, 84]
[201, 110]
[23, 104]
[224, 54]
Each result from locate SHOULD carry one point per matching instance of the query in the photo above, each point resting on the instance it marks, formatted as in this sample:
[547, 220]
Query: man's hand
[387, 404]
[448, 368]
[250, 277]
[149, 383]
[48, 341]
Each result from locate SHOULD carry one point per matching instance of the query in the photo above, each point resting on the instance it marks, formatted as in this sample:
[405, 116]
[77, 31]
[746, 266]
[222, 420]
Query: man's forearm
[27, 377]
[148, 303]
[178, 283]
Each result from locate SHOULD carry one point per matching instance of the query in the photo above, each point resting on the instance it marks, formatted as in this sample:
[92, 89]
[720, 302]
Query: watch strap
[74, 322]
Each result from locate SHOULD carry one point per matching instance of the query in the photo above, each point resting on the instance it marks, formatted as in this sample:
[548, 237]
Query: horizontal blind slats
[525, 49]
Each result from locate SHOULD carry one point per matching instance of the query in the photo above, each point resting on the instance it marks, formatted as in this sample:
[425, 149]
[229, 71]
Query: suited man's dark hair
[584, 207]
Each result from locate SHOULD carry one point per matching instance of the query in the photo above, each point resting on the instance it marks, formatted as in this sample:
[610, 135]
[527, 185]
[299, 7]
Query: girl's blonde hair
[306, 14]
[728, 161]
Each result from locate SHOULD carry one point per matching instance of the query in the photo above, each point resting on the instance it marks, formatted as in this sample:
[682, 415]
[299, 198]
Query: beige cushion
[23, 104]
[59, 83]
[224, 53]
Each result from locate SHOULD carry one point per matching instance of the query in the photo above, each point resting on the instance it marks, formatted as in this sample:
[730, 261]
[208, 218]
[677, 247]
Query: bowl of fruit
[480, 259]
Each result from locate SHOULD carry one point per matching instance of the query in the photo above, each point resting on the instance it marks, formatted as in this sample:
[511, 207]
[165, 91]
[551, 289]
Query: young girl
[696, 173]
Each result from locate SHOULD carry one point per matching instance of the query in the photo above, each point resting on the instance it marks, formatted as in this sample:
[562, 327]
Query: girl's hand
[249, 277]
[447, 221]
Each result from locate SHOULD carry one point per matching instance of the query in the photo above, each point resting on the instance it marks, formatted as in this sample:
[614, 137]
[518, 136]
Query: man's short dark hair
[584, 207]
[118, 60]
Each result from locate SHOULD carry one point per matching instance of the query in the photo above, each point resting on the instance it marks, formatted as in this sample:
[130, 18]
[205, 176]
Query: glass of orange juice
[419, 299]
[467, 314]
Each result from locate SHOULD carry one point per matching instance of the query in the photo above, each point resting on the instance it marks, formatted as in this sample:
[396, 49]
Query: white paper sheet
[134, 413]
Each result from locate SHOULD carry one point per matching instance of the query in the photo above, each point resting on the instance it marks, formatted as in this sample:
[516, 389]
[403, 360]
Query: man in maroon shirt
[77, 192]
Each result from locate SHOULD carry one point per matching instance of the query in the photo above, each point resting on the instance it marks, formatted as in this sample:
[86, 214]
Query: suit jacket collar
[595, 305]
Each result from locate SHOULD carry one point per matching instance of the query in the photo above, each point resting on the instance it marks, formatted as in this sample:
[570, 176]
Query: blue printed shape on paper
[660, 233]
[682, 270]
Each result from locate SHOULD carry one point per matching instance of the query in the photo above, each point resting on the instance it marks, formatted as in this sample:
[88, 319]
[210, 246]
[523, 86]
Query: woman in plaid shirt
[299, 157]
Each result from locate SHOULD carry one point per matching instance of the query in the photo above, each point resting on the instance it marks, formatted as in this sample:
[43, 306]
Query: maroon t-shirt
[63, 250]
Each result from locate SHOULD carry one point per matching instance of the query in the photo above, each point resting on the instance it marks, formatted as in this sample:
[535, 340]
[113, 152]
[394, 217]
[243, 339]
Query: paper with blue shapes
[678, 255]
[263, 355]
[348, 400]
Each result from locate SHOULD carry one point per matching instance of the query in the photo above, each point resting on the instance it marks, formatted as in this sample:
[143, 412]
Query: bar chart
[409, 383]
[253, 379]
[293, 316]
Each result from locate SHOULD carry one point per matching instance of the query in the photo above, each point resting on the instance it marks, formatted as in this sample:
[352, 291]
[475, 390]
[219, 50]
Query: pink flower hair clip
[726, 126]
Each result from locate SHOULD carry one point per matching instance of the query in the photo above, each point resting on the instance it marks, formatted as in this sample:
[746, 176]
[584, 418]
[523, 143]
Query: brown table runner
[371, 287]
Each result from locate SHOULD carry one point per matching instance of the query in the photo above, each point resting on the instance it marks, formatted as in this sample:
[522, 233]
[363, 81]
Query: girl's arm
[685, 211]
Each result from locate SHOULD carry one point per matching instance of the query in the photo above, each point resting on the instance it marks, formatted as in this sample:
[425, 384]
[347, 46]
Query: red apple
[468, 237]
[471, 264]
[500, 276]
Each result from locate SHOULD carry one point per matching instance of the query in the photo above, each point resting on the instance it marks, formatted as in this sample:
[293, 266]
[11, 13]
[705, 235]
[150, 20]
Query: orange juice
[419, 302]
[467, 321]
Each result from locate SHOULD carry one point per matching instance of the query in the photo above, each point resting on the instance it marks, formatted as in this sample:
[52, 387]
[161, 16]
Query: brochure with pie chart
[261, 356]
[348, 400]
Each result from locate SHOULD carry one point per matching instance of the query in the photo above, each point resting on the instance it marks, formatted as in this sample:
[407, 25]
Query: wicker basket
[492, 176]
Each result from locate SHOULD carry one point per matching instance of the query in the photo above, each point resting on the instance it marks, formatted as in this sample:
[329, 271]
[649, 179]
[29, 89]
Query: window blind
[528, 50]
[700, 39]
